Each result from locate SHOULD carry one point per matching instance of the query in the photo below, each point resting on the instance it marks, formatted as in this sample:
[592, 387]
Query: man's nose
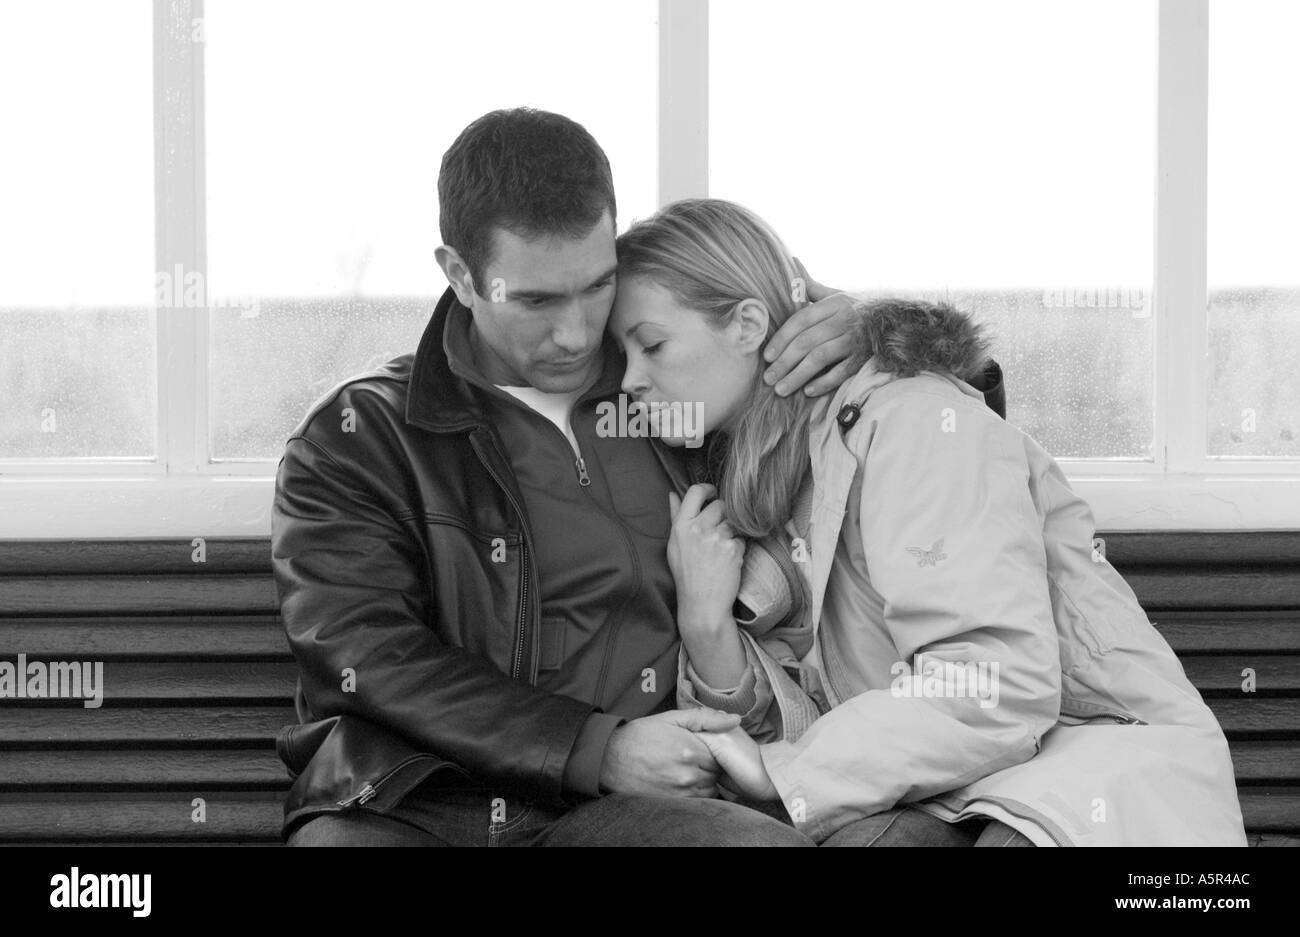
[570, 330]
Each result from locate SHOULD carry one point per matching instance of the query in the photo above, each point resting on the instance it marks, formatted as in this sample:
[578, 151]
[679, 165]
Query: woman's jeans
[440, 816]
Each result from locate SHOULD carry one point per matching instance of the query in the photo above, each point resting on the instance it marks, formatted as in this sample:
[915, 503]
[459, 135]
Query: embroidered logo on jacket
[930, 557]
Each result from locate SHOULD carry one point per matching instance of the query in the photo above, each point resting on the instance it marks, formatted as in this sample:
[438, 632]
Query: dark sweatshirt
[609, 630]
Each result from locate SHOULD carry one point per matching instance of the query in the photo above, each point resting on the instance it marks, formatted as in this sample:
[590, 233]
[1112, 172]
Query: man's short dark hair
[531, 172]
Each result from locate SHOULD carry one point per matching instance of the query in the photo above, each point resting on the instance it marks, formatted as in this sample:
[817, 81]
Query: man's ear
[751, 317]
[457, 273]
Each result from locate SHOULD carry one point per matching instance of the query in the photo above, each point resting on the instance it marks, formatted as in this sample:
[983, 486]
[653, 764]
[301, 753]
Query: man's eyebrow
[549, 294]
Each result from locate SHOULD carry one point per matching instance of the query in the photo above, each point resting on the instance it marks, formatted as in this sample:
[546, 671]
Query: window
[212, 213]
[326, 123]
[999, 154]
[1254, 242]
[77, 358]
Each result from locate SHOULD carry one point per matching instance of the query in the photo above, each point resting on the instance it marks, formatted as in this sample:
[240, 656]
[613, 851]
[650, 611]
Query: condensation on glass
[1254, 240]
[326, 124]
[1000, 154]
[77, 333]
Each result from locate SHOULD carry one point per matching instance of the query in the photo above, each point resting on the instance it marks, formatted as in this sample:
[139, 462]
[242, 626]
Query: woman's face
[701, 376]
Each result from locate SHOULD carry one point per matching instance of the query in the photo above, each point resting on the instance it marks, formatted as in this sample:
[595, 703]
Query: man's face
[546, 300]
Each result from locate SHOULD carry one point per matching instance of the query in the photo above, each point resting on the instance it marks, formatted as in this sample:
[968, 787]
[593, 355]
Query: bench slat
[1215, 587]
[121, 595]
[141, 556]
[32, 726]
[244, 818]
[1228, 631]
[1257, 761]
[125, 681]
[212, 769]
[1124, 549]
[1262, 716]
[1275, 810]
[1222, 674]
[204, 636]
[1201, 547]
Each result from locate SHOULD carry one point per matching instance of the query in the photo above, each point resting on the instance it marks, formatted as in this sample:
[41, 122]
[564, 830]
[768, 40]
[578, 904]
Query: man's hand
[739, 757]
[661, 754]
[817, 337]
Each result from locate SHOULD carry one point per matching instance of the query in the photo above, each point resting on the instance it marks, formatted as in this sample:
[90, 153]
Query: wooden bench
[198, 679]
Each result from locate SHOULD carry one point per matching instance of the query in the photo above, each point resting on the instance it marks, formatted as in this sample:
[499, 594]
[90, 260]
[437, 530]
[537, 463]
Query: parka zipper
[1120, 717]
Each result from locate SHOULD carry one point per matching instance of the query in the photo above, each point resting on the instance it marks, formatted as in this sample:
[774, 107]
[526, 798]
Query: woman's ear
[751, 318]
[457, 273]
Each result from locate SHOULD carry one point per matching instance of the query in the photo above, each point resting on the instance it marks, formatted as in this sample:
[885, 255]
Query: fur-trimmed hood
[907, 336]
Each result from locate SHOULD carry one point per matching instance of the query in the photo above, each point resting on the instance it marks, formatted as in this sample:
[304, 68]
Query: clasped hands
[691, 752]
[685, 753]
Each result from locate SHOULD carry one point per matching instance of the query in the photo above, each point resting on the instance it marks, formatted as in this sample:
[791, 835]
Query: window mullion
[683, 99]
[1180, 280]
[179, 249]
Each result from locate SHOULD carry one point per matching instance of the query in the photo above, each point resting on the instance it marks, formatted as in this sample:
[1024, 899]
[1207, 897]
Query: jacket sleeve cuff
[740, 699]
[582, 771]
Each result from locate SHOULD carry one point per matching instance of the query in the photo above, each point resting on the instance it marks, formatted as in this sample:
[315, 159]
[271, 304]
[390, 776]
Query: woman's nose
[634, 383]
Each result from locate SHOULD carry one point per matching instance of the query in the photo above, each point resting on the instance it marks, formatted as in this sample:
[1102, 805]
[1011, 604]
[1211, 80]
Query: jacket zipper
[371, 789]
[360, 797]
[584, 479]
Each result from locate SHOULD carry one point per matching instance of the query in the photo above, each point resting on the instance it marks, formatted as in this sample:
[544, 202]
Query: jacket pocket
[1077, 712]
[550, 653]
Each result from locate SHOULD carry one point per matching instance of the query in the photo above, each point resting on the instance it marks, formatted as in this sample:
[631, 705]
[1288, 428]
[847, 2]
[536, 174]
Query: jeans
[907, 826]
[475, 817]
[439, 816]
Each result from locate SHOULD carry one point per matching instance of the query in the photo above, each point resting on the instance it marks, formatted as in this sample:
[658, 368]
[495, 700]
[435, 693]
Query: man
[473, 580]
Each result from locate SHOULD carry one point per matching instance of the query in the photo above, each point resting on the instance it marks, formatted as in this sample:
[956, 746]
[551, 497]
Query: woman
[919, 618]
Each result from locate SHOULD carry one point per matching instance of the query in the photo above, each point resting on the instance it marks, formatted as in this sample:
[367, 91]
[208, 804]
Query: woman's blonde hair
[711, 254]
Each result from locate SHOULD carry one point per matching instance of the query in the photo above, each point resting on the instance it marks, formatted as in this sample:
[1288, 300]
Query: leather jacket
[408, 589]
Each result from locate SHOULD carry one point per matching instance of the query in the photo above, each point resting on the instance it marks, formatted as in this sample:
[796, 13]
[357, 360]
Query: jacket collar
[438, 399]
[441, 396]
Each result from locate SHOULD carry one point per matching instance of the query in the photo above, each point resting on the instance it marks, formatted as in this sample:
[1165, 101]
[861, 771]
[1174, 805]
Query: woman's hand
[738, 756]
[705, 558]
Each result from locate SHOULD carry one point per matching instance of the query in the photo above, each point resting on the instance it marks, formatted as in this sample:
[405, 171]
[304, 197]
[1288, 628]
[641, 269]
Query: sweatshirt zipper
[583, 478]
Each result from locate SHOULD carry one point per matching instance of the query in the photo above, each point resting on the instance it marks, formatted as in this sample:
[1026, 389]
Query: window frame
[183, 492]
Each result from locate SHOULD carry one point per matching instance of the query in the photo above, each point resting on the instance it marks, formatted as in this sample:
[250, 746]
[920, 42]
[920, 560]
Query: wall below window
[209, 506]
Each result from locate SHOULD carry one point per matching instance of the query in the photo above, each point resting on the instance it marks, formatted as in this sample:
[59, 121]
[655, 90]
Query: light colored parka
[1042, 695]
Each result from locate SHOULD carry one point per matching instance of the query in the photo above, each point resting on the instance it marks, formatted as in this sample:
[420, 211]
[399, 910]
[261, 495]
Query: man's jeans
[439, 816]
